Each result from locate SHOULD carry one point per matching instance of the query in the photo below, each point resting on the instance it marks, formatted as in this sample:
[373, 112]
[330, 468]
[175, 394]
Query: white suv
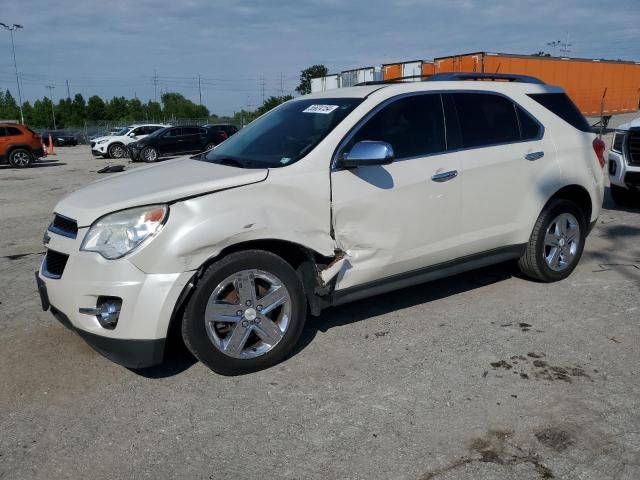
[115, 146]
[329, 198]
[624, 164]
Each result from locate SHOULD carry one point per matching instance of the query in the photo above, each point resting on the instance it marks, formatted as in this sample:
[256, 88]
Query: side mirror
[132, 135]
[367, 153]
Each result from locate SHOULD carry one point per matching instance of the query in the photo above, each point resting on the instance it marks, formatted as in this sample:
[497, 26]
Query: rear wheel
[246, 314]
[20, 158]
[149, 154]
[625, 197]
[556, 243]
[209, 146]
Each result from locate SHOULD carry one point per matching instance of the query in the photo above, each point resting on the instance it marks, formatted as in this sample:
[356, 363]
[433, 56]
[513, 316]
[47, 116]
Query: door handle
[445, 176]
[534, 156]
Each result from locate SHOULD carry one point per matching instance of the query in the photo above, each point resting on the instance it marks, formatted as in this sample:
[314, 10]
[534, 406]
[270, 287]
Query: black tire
[148, 155]
[209, 146]
[624, 197]
[194, 331]
[533, 263]
[116, 150]
[21, 158]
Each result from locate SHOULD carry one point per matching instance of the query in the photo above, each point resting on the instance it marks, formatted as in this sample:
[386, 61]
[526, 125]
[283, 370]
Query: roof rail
[393, 80]
[509, 77]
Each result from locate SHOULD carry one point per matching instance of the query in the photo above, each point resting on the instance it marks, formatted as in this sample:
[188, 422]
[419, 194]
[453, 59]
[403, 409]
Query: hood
[635, 123]
[97, 139]
[158, 183]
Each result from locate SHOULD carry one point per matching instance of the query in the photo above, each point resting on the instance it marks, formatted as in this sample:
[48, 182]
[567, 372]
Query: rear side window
[485, 119]
[3, 133]
[563, 107]
[529, 128]
[13, 131]
[413, 125]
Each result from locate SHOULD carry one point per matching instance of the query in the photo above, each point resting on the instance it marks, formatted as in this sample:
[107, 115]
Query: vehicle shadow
[39, 164]
[404, 298]
[609, 204]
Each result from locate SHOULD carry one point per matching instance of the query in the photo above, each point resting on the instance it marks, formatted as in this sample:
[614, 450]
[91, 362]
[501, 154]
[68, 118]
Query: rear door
[3, 143]
[194, 139]
[401, 217]
[504, 156]
[171, 142]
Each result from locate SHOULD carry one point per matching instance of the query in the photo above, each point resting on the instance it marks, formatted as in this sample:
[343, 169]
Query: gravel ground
[481, 376]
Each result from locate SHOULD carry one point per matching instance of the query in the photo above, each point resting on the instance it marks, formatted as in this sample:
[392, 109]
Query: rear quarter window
[561, 105]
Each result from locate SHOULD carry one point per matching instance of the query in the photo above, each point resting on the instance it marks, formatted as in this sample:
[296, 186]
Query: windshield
[284, 135]
[122, 132]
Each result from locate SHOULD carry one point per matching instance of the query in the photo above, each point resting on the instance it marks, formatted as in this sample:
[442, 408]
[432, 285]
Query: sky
[116, 47]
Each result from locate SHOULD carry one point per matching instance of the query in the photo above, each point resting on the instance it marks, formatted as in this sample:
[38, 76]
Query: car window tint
[3, 133]
[13, 131]
[563, 107]
[413, 126]
[486, 119]
[529, 128]
[174, 132]
[190, 130]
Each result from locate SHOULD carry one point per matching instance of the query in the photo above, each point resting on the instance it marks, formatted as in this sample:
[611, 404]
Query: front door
[401, 217]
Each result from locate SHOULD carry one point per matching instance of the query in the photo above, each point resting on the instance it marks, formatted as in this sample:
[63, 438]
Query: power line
[53, 113]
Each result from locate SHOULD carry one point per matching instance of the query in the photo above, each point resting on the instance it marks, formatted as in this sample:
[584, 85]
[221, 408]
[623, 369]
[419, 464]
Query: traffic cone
[51, 148]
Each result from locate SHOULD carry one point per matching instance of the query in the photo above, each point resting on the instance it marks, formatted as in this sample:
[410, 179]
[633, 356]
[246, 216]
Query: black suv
[173, 141]
[225, 130]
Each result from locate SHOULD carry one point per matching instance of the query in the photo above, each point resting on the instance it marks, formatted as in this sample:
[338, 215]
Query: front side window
[174, 132]
[284, 135]
[3, 132]
[485, 119]
[529, 128]
[13, 131]
[412, 125]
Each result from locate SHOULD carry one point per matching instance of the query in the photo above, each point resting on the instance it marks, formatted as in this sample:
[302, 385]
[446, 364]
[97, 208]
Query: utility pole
[554, 44]
[281, 85]
[68, 91]
[53, 113]
[262, 84]
[566, 50]
[200, 89]
[155, 85]
[11, 29]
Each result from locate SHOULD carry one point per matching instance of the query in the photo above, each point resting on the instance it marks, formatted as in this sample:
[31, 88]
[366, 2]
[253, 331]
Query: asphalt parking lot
[482, 376]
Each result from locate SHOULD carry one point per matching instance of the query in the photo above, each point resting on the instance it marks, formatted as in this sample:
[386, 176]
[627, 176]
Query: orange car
[19, 145]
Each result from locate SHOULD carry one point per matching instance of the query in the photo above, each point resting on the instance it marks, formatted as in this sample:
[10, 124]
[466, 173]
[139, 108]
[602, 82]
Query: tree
[270, 103]
[78, 109]
[96, 109]
[176, 105]
[153, 111]
[8, 107]
[307, 74]
[541, 53]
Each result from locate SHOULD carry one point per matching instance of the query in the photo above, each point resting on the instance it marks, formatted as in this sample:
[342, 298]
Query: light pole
[53, 113]
[11, 28]
[554, 44]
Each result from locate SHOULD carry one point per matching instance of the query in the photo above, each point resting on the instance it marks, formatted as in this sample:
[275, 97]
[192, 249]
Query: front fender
[200, 228]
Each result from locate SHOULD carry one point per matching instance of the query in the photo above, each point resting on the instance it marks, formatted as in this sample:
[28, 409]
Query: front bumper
[134, 153]
[99, 149]
[621, 173]
[148, 302]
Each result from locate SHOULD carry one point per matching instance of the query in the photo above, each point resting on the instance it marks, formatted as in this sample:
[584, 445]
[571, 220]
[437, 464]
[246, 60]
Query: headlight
[116, 234]
[104, 140]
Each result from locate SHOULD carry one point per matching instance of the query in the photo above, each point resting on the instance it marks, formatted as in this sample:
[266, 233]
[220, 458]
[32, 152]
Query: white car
[115, 146]
[624, 164]
[329, 198]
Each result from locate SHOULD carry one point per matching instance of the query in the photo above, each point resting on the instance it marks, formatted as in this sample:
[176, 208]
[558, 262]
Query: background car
[174, 141]
[60, 138]
[115, 146]
[225, 130]
[19, 145]
[624, 164]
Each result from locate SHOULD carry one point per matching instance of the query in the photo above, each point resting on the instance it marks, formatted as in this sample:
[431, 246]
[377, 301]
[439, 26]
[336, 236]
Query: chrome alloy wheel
[21, 159]
[562, 242]
[116, 151]
[247, 314]
[150, 155]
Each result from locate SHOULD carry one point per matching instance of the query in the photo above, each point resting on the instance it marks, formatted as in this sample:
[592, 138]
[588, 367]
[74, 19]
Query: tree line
[77, 112]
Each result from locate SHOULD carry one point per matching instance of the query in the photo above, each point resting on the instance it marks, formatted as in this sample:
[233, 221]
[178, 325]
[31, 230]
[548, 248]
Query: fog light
[106, 311]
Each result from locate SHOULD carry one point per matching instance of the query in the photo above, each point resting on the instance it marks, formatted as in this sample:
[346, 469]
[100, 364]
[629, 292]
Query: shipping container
[322, 84]
[428, 68]
[349, 78]
[392, 71]
[607, 87]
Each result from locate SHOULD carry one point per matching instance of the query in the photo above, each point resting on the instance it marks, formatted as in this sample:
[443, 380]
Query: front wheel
[116, 151]
[246, 314]
[149, 154]
[210, 146]
[556, 243]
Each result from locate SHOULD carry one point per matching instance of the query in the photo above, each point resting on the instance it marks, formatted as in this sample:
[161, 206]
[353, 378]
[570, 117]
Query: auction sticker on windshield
[320, 109]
